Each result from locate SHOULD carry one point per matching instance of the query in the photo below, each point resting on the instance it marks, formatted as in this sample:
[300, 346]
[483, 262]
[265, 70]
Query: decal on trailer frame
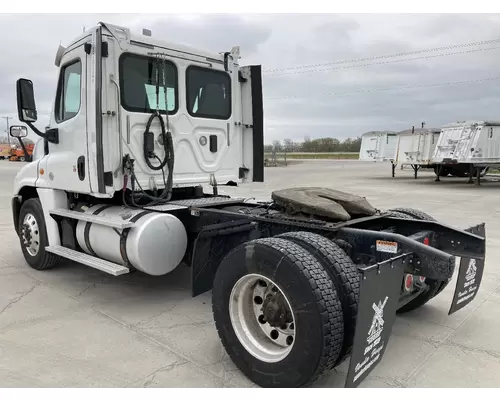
[470, 274]
[378, 301]
[385, 246]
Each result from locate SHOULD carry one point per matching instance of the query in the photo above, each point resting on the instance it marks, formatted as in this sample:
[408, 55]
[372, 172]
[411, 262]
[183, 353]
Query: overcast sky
[295, 103]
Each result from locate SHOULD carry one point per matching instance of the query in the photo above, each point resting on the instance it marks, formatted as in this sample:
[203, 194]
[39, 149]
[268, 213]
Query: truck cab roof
[125, 35]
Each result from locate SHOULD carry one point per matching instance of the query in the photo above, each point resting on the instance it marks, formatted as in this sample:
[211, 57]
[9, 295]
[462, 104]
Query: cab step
[95, 219]
[86, 259]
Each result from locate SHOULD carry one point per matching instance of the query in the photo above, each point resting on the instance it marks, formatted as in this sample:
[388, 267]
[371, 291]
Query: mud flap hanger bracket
[432, 263]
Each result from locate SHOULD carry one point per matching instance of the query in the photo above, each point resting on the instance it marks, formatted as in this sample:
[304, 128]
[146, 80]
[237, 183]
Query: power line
[408, 53]
[382, 62]
[389, 89]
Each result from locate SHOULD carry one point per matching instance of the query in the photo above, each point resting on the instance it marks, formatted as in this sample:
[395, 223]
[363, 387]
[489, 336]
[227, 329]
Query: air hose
[166, 139]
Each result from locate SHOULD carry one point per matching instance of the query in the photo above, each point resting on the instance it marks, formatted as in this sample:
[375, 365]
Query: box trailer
[468, 148]
[415, 147]
[378, 146]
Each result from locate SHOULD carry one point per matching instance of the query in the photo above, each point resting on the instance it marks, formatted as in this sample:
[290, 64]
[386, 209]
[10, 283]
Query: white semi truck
[140, 128]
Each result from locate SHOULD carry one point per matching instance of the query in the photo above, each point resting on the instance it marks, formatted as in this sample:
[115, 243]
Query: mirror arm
[51, 135]
[35, 129]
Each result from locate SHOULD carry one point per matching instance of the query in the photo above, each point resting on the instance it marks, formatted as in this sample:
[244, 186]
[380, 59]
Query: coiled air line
[148, 145]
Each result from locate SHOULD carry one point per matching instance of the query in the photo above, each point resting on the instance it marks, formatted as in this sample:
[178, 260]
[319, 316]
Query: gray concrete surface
[78, 327]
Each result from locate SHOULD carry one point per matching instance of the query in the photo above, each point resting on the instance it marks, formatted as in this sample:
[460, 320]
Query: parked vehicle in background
[378, 146]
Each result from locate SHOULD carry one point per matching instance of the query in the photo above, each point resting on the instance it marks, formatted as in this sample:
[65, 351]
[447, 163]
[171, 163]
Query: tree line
[321, 145]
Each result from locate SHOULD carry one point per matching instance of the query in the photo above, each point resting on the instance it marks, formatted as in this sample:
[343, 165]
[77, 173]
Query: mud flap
[378, 301]
[470, 274]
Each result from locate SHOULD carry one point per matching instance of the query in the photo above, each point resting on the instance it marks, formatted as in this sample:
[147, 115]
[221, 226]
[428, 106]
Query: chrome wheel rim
[31, 235]
[262, 318]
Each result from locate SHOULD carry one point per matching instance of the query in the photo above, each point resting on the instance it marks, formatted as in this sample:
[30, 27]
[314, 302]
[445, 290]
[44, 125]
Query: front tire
[33, 236]
[277, 313]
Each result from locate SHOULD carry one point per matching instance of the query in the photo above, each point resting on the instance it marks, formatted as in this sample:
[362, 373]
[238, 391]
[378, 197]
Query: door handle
[81, 167]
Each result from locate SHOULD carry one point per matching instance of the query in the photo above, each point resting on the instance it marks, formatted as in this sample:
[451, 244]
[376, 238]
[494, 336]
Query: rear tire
[314, 307]
[444, 172]
[33, 236]
[434, 287]
[343, 273]
[414, 214]
[397, 214]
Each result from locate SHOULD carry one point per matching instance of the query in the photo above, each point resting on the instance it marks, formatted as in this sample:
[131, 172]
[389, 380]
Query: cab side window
[208, 93]
[138, 84]
[69, 91]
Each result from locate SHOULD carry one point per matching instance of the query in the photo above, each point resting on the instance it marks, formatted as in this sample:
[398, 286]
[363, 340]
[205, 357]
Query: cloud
[329, 103]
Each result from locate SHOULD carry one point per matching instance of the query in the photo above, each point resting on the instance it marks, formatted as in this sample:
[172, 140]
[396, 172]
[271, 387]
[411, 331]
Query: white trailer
[468, 148]
[415, 147]
[378, 146]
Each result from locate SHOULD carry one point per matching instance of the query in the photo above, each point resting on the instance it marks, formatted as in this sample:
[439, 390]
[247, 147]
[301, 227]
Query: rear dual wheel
[344, 275]
[278, 313]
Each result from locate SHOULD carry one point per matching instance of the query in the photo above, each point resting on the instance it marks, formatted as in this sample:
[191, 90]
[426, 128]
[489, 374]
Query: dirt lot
[78, 327]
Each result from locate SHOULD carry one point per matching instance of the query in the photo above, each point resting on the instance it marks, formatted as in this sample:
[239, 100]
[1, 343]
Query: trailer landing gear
[415, 169]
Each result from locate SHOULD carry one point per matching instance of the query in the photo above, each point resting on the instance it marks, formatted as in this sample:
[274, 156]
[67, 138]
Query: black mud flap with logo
[380, 290]
[470, 274]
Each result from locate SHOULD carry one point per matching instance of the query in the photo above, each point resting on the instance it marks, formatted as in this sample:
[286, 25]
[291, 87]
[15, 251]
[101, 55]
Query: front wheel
[33, 236]
[277, 313]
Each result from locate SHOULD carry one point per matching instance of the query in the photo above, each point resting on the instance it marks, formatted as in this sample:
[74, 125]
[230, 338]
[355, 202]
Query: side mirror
[26, 107]
[18, 131]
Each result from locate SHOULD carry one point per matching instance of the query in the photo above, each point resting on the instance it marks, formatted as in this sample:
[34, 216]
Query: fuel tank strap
[124, 236]
[86, 232]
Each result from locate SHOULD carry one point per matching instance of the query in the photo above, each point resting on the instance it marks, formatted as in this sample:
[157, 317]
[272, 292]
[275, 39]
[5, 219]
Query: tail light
[408, 282]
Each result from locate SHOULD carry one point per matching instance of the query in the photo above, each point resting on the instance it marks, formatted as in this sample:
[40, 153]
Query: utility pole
[8, 133]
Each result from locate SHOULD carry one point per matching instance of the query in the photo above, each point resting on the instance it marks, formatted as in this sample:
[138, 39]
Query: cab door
[66, 165]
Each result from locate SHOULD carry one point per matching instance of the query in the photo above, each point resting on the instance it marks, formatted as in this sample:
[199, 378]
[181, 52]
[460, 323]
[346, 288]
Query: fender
[24, 188]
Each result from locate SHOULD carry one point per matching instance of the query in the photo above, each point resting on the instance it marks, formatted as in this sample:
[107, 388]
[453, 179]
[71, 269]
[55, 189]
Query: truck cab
[119, 99]
[111, 82]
